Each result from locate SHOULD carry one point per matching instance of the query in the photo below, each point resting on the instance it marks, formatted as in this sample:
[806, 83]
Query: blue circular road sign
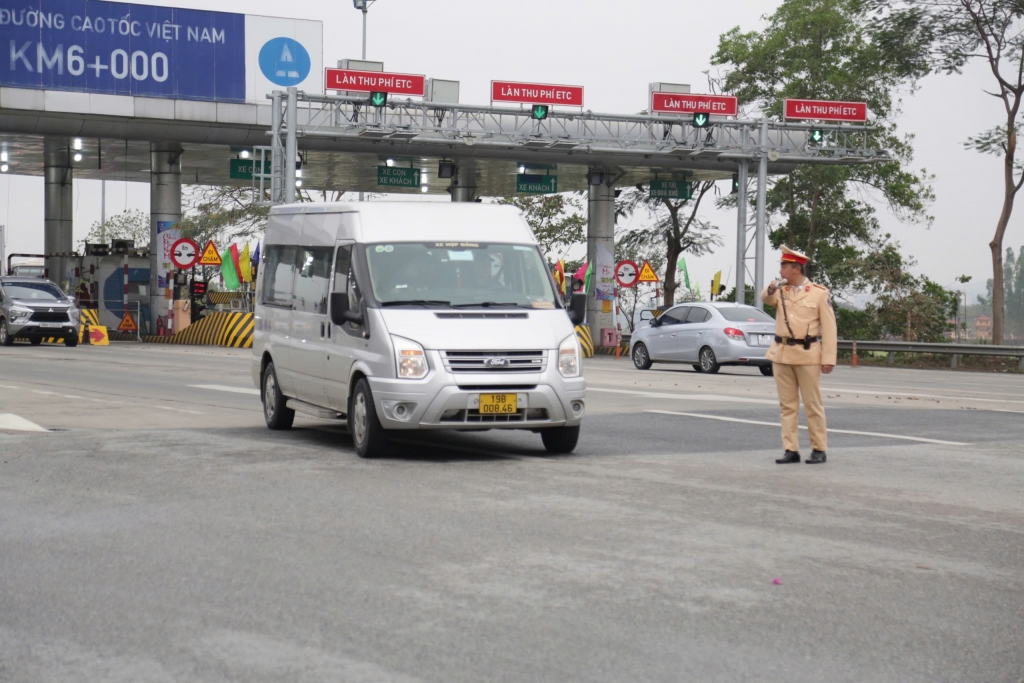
[284, 61]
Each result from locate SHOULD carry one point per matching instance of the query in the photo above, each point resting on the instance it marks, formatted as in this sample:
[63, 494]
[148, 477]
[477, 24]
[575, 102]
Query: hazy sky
[614, 49]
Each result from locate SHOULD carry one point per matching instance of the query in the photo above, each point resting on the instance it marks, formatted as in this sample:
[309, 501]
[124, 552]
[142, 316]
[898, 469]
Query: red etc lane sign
[826, 111]
[537, 93]
[375, 81]
[680, 103]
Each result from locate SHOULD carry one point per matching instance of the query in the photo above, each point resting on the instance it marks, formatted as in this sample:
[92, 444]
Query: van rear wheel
[560, 440]
[275, 410]
[368, 436]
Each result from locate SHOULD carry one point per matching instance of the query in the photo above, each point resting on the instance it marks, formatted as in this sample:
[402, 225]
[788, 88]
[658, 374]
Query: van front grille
[494, 361]
[48, 317]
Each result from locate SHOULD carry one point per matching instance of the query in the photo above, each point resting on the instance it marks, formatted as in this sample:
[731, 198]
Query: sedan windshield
[459, 275]
[33, 291]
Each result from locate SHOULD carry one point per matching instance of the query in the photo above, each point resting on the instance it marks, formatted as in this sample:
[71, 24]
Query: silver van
[414, 315]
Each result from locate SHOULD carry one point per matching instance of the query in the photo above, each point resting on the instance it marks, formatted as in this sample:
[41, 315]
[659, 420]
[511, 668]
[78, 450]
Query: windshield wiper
[489, 304]
[416, 302]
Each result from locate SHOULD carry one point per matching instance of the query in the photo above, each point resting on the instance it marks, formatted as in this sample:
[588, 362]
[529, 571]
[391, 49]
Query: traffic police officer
[804, 348]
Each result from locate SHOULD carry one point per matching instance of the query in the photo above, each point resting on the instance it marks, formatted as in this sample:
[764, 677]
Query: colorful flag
[560, 276]
[229, 268]
[587, 277]
[686, 273]
[245, 264]
[256, 261]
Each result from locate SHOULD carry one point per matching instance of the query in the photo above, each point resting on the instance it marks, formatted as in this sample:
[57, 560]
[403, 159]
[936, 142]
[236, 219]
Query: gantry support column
[58, 208]
[741, 234]
[463, 186]
[762, 209]
[164, 213]
[601, 253]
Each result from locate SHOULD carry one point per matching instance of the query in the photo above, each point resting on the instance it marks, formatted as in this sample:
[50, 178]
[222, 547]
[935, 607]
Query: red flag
[234, 259]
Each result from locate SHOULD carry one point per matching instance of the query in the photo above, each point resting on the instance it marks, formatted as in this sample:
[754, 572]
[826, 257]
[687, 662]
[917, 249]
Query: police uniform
[805, 339]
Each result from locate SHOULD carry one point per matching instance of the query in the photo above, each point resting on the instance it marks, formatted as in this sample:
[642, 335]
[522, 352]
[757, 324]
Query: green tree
[829, 49]
[557, 221]
[676, 231]
[127, 225]
[959, 31]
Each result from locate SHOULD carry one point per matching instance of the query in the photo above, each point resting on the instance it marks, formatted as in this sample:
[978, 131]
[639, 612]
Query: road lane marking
[830, 430]
[880, 392]
[16, 423]
[222, 387]
[7, 386]
[686, 397]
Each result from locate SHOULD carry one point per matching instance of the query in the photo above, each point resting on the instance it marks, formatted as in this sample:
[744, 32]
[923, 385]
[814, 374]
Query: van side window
[312, 277]
[278, 273]
[341, 268]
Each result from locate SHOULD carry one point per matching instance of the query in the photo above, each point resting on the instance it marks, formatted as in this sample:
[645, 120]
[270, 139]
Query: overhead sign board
[685, 103]
[821, 110]
[390, 176]
[375, 81]
[671, 189]
[241, 169]
[537, 93]
[118, 48]
[528, 183]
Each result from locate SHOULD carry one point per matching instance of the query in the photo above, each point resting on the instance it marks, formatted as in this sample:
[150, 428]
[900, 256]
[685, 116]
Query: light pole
[363, 6]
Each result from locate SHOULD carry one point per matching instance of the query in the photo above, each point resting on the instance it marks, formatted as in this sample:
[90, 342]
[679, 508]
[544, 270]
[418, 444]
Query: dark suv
[36, 308]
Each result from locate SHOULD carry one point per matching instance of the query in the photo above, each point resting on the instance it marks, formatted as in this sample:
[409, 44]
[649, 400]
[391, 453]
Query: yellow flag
[245, 264]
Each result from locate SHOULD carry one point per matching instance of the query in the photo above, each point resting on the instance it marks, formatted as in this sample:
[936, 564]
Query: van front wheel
[368, 436]
[560, 439]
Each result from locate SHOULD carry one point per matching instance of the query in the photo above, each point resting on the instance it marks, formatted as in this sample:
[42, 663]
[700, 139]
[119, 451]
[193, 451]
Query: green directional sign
[817, 136]
[528, 183]
[391, 176]
[378, 99]
[539, 111]
[241, 169]
[671, 189]
[701, 120]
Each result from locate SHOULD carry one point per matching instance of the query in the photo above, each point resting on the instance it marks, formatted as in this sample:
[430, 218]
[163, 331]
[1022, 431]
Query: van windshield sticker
[457, 245]
[379, 249]
[521, 247]
[460, 255]
[542, 304]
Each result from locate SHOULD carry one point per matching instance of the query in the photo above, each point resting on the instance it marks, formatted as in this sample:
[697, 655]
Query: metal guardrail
[951, 349]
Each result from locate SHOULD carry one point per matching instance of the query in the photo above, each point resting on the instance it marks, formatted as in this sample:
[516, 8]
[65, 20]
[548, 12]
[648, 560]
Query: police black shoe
[788, 458]
[817, 457]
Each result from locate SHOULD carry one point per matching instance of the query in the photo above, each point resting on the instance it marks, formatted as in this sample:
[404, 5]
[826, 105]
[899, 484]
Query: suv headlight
[75, 314]
[409, 358]
[20, 315]
[569, 356]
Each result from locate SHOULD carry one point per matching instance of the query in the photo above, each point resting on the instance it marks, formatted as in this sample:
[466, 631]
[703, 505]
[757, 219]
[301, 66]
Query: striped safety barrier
[217, 329]
[223, 297]
[586, 342]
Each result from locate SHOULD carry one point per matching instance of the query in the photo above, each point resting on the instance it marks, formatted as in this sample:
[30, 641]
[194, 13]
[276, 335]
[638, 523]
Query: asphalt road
[157, 531]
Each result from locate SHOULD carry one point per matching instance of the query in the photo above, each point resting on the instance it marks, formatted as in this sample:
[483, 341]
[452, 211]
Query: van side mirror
[340, 313]
[578, 309]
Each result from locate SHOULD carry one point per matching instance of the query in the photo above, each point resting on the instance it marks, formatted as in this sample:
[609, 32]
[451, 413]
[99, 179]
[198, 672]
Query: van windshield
[459, 274]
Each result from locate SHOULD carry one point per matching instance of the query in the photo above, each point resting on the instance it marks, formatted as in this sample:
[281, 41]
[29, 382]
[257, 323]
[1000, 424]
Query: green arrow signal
[817, 136]
[540, 111]
[700, 120]
[378, 99]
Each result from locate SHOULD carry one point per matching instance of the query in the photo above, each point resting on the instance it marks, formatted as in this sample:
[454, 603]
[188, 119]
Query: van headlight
[569, 356]
[409, 358]
[20, 315]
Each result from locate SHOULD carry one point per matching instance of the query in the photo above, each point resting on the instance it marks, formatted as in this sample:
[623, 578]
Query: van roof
[402, 221]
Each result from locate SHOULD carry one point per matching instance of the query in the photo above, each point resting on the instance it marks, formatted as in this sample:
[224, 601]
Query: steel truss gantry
[607, 141]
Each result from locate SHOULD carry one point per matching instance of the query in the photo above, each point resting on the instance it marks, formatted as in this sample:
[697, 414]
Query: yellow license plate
[498, 404]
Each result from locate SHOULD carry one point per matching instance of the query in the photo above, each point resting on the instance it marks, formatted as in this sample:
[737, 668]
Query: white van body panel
[316, 360]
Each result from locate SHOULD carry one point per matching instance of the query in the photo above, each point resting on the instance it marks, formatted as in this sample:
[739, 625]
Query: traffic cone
[85, 332]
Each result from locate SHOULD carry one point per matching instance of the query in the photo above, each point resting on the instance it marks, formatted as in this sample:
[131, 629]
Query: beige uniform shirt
[809, 309]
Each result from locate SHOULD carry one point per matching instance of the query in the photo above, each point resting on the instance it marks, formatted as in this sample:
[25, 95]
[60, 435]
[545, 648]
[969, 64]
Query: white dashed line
[16, 423]
[221, 387]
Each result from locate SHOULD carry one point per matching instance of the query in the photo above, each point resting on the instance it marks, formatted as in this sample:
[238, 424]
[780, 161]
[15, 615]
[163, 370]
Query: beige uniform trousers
[794, 381]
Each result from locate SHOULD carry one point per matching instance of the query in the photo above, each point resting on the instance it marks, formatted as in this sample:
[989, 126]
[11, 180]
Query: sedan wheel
[5, 337]
[641, 358]
[708, 362]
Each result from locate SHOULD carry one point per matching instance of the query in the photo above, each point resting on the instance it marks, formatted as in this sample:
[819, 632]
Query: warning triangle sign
[647, 273]
[128, 323]
[210, 256]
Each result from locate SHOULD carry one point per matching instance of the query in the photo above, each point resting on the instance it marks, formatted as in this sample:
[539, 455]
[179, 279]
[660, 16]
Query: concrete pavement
[159, 532]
